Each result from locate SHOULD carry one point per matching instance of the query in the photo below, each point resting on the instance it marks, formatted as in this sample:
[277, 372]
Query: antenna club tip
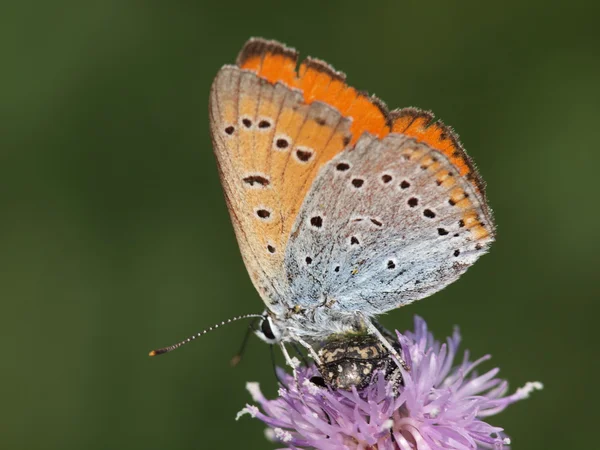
[152, 353]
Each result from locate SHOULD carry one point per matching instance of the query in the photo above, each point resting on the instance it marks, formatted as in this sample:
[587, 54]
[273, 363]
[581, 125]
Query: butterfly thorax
[317, 324]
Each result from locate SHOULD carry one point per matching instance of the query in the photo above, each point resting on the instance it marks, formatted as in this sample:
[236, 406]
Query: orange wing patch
[419, 124]
[270, 60]
[318, 81]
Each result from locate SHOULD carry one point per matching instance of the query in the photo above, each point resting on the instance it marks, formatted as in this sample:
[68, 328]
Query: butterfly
[342, 209]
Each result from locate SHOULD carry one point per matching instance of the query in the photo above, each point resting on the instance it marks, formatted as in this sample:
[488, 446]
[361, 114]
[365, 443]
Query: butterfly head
[269, 329]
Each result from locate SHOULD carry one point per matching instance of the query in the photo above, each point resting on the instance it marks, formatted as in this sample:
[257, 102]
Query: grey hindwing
[376, 232]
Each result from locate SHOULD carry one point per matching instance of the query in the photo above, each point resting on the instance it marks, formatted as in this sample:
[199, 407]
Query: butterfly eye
[268, 331]
[265, 327]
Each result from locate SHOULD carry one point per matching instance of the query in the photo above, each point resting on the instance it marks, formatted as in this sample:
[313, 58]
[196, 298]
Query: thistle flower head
[441, 404]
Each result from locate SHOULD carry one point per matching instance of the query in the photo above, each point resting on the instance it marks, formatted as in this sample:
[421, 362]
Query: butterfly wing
[387, 222]
[280, 136]
[270, 144]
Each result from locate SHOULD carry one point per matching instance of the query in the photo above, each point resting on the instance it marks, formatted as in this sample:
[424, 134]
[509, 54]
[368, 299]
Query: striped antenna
[170, 348]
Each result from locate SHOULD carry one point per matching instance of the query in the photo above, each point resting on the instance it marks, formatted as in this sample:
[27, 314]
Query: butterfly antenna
[170, 348]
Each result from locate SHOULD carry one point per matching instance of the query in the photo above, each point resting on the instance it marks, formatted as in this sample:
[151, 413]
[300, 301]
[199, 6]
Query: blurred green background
[115, 237]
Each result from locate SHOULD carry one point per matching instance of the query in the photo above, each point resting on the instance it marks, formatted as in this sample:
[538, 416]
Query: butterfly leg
[371, 328]
[274, 364]
[292, 362]
[300, 354]
[307, 346]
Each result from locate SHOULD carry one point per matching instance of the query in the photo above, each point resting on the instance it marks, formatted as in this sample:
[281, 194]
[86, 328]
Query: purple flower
[441, 405]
